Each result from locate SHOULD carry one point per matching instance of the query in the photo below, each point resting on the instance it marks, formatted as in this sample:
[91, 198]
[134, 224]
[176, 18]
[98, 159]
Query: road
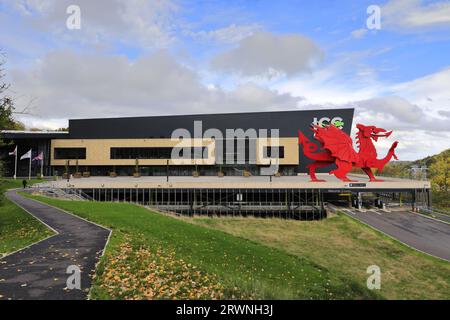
[415, 230]
[441, 216]
[39, 271]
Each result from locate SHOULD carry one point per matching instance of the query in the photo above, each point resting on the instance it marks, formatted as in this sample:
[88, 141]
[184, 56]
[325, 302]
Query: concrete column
[429, 200]
[359, 201]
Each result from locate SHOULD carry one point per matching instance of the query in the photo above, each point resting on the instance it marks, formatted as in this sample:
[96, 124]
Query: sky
[140, 58]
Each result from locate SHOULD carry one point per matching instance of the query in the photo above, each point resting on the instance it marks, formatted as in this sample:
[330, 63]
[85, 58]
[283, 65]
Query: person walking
[24, 183]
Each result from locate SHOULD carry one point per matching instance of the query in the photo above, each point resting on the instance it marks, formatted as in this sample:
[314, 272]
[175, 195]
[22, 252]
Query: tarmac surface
[39, 272]
[415, 230]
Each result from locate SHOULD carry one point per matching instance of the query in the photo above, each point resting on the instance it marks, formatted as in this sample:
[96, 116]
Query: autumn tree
[440, 171]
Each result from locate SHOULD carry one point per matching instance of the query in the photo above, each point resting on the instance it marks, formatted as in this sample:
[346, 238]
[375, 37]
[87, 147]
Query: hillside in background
[438, 172]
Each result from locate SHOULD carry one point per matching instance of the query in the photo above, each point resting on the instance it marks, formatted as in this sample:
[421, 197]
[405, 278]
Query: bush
[441, 200]
[2, 169]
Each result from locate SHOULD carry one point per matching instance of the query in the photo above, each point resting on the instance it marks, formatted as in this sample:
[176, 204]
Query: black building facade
[101, 146]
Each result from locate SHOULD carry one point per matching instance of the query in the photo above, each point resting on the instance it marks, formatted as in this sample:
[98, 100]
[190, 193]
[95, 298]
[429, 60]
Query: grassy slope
[258, 270]
[17, 228]
[348, 248]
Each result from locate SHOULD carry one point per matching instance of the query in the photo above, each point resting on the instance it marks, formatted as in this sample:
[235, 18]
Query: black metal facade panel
[31, 135]
[288, 122]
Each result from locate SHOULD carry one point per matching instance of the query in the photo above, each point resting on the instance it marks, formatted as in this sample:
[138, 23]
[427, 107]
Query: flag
[40, 157]
[26, 155]
[14, 152]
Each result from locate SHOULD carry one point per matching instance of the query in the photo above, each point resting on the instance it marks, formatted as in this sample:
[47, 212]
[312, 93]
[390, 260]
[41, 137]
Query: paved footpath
[39, 271]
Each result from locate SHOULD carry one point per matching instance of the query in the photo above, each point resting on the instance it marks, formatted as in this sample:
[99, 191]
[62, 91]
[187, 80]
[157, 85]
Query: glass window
[152, 152]
[270, 152]
[240, 151]
[70, 153]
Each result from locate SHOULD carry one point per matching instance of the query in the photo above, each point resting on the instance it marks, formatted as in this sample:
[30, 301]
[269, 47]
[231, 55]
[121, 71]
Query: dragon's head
[372, 132]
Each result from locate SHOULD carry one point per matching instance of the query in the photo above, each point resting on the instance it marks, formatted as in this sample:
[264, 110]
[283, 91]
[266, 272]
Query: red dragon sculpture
[337, 147]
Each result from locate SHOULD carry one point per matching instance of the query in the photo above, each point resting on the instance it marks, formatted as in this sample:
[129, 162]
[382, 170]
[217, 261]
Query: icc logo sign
[325, 121]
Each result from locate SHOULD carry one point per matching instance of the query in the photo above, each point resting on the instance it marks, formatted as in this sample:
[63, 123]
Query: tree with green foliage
[440, 171]
[439, 174]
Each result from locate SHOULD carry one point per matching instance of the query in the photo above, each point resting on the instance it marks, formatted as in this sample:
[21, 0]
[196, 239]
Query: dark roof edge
[212, 114]
[20, 134]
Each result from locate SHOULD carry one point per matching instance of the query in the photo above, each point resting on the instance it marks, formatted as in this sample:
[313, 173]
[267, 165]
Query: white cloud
[432, 88]
[418, 133]
[397, 107]
[444, 113]
[343, 81]
[149, 24]
[359, 33]
[265, 53]
[67, 85]
[416, 110]
[231, 34]
[43, 123]
[415, 15]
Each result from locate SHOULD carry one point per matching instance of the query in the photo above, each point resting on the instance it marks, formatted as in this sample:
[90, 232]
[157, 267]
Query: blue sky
[172, 57]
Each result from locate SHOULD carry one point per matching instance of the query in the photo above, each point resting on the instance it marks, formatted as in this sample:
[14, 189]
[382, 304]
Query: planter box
[277, 174]
[136, 175]
[196, 174]
[247, 174]
[86, 174]
[220, 174]
[77, 175]
[65, 175]
[113, 174]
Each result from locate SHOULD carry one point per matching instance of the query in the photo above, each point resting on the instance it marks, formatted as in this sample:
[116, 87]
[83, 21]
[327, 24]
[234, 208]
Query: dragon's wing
[337, 142]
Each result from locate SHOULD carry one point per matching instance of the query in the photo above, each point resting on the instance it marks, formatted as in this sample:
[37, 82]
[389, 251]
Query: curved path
[417, 231]
[39, 271]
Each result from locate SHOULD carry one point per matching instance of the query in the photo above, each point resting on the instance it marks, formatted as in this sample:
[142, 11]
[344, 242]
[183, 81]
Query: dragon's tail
[302, 139]
[311, 149]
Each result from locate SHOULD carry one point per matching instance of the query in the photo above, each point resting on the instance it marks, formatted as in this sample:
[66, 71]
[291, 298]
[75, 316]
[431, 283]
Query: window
[270, 152]
[152, 152]
[240, 152]
[70, 153]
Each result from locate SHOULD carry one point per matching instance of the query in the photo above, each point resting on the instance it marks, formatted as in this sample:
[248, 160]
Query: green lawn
[208, 263]
[347, 247]
[17, 228]
[252, 258]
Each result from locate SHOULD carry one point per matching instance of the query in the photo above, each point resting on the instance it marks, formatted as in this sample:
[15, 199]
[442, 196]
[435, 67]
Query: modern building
[239, 146]
[100, 146]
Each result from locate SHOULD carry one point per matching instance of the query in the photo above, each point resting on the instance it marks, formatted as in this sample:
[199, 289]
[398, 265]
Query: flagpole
[15, 165]
[29, 169]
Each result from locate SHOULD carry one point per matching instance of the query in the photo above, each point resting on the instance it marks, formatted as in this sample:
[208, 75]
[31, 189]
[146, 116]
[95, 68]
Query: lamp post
[68, 170]
[167, 171]
[270, 165]
[419, 173]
